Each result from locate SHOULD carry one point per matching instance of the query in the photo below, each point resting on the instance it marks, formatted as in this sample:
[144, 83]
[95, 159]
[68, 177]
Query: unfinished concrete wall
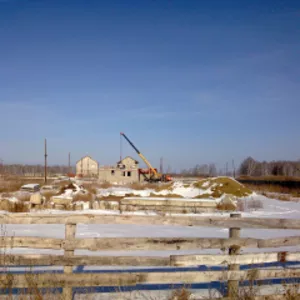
[87, 167]
[125, 171]
[119, 176]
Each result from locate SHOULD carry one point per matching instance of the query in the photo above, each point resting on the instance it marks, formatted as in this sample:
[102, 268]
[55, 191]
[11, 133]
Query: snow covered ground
[178, 188]
[270, 209]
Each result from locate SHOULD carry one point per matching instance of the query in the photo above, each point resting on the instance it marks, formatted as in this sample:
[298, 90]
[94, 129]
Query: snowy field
[270, 209]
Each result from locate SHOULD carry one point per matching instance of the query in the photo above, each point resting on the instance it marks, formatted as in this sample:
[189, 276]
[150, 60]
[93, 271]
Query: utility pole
[70, 171]
[46, 161]
[226, 169]
[233, 167]
[121, 147]
[1, 166]
[161, 168]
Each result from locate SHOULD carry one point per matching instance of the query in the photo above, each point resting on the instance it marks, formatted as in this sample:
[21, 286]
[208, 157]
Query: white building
[87, 167]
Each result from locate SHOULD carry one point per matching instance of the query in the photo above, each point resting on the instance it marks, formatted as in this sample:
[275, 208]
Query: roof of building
[128, 157]
[85, 157]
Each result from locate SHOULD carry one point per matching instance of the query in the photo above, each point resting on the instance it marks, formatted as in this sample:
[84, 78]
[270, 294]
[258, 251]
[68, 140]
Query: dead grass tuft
[104, 185]
[254, 204]
[9, 206]
[85, 197]
[275, 191]
[223, 185]
[226, 206]
[110, 198]
[203, 196]
[48, 195]
[180, 294]
[165, 196]
[240, 205]
[164, 186]
[93, 187]
[23, 197]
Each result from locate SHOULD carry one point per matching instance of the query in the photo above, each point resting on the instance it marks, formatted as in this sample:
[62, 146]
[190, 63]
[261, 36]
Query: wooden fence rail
[105, 244]
[223, 222]
[233, 275]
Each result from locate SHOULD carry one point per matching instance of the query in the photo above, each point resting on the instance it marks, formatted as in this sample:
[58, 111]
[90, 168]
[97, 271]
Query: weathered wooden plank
[251, 258]
[209, 276]
[121, 279]
[31, 242]
[280, 242]
[167, 209]
[174, 260]
[269, 297]
[97, 244]
[168, 203]
[72, 280]
[70, 232]
[82, 260]
[234, 233]
[223, 222]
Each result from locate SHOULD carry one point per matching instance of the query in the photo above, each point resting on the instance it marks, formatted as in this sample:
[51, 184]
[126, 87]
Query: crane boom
[140, 154]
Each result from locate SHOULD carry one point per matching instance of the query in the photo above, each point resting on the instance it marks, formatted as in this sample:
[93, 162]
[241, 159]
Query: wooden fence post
[233, 285]
[70, 231]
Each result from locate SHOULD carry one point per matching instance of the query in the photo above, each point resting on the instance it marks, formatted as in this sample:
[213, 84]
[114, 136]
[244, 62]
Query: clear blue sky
[192, 81]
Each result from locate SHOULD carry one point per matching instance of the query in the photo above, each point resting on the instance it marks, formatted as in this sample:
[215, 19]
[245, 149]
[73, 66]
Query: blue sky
[192, 81]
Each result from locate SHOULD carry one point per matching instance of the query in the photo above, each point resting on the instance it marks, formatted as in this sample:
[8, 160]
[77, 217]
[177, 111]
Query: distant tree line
[252, 167]
[33, 170]
[204, 170]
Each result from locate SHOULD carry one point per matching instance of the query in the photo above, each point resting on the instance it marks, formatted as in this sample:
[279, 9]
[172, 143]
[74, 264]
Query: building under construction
[127, 170]
[87, 167]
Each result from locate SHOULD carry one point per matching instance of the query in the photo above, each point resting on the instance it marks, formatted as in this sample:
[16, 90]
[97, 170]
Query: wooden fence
[70, 243]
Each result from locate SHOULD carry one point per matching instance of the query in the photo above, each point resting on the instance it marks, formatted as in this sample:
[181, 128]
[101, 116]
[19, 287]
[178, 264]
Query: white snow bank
[177, 188]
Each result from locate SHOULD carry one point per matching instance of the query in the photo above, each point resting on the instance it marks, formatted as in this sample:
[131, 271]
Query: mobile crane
[154, 176]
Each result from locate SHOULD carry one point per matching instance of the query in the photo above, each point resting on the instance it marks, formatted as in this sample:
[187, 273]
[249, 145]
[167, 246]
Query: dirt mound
[219, 186]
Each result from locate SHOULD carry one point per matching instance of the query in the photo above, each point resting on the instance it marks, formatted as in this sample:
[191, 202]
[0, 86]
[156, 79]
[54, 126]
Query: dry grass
[92, 187]
[226, 206]
[223, 185]
[103, 185]
[110, 198]
[180, 294]
[254, 204]
[240, 205]
[274, 188]
[48, 195]
[85, 197]
[164, 186]
[203, 196]
[284, 197]
[13, 183]
[23, 197]
[157, 187]
[10, 186]
[269, 178]
[9, 206]
[165, 196]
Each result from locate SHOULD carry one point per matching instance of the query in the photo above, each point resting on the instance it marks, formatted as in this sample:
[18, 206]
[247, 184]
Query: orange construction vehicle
[154, 176]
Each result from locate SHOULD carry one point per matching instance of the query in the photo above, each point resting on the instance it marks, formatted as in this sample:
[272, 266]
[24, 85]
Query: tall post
[234, 233]
[161, 169]
[70, 171]
[46, 160]
[233, 167]
[70, 232]
[121, 147]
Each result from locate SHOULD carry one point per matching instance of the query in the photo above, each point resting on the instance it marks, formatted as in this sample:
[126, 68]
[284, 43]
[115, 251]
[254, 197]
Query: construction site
[126, 170]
